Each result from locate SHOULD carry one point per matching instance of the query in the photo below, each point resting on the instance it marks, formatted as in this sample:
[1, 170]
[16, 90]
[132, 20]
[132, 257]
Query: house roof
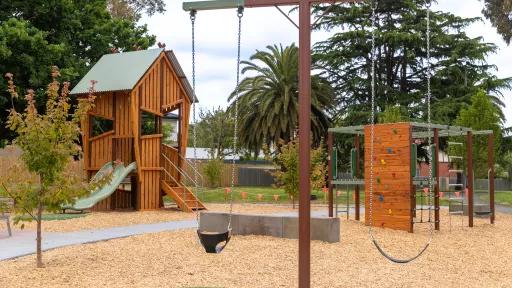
[181, 75]
[171, 115]
[122, 71]
[118, 71]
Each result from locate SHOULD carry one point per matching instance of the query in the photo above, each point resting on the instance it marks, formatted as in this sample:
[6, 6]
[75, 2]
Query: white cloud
[216, 42]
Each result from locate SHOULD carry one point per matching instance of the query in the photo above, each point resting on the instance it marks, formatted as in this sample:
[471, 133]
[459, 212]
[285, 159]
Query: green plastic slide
[120, 172]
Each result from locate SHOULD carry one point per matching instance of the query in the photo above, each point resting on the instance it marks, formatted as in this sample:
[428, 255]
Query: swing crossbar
[231, 4]
[212, 5]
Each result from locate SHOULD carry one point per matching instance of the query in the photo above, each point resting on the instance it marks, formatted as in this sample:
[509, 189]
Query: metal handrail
[180, 171]
[169, 174]
[188, 162]
[193, 168]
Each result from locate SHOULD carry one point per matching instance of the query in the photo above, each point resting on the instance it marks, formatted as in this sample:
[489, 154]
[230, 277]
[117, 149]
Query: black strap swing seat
[214, 242]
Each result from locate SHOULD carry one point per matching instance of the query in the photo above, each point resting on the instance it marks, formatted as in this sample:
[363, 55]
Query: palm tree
[268, 99]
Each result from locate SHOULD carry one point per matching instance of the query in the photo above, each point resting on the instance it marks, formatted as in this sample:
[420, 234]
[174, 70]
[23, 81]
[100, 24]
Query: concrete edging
[323, 229]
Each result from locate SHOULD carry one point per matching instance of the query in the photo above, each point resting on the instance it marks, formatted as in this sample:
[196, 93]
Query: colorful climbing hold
[381, 198]
[390, 150]
[395, 131]
[390, 211]
[382, 161]
[378, 180]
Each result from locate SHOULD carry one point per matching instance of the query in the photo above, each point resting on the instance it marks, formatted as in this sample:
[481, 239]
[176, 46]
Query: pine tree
[458, 61]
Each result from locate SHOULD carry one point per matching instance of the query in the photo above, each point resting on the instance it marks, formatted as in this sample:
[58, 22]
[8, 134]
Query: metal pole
[490, 151]
[470, 177]
[329, 171]
[436, 187]
[304, 142]
[357, 204]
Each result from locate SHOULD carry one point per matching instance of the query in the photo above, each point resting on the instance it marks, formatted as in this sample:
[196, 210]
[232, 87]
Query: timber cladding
[392, 206]
[157, 92]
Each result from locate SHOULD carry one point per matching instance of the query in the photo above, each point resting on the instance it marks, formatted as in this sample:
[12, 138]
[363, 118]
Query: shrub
[213, 171]
[287, 162]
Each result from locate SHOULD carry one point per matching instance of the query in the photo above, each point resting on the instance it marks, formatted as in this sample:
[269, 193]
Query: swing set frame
[305, 28]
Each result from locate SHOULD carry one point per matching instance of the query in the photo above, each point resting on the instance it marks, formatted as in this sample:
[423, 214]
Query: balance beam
[323, 229]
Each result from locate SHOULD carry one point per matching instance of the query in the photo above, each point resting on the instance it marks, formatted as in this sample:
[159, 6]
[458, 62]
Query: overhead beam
[348, 130]
[232, 4]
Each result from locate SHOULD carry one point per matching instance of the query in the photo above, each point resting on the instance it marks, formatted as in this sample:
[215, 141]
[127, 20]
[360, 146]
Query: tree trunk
[293, 202]
[39, 238]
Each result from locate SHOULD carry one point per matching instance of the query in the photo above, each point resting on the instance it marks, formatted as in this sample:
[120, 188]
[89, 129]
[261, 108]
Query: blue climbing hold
[381, 198]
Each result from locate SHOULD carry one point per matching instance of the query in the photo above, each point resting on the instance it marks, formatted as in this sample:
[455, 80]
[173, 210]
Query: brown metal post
[304, 143]
[490, 151]
[436, 187]
[357, 197]
[470, 177]
[329, 172]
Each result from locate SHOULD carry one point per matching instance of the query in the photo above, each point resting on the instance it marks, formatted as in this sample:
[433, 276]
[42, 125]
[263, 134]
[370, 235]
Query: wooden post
[357, 192]
[113, 198]
[490, 151]
[470, 177]
[304, 143]
[329, 172]
[436, 187]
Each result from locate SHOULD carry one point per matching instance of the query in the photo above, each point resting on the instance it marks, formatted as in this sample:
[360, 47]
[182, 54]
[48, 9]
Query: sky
[216, 36]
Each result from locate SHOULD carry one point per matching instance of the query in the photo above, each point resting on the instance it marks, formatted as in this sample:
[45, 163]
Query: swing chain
[194, 131]
[372, 141]
[372, 128]
[429, 120]
[240, 14]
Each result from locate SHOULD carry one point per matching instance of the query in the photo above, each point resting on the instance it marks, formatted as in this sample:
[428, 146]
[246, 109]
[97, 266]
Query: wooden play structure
[396, 202]
[134, 91]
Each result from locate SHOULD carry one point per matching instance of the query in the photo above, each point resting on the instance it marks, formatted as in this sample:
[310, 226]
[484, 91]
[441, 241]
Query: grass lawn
[500, 197]
[218, 195]
[253, 195]
[54, 217]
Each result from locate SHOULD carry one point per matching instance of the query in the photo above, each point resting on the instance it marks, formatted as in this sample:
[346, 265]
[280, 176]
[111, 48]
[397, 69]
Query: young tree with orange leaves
[48, 142]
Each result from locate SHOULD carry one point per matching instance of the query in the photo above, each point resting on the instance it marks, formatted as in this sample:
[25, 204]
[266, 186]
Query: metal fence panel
[250, 176]
[499, 184]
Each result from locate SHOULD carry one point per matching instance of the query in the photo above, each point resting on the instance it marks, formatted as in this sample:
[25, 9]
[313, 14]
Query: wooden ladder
[184, 198]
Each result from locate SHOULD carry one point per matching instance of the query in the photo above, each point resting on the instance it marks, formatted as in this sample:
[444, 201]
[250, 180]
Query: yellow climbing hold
[383, 162]
[390, 211]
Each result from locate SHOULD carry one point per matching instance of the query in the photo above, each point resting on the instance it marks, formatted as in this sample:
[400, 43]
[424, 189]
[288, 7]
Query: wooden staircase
[184, 198]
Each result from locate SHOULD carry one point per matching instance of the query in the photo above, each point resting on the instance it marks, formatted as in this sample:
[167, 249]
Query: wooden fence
[245, 175]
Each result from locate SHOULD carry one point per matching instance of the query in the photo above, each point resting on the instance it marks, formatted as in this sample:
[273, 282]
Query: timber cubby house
[134, 91]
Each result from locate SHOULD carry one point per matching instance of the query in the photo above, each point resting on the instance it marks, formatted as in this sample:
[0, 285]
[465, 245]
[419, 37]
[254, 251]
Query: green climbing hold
[378, 180]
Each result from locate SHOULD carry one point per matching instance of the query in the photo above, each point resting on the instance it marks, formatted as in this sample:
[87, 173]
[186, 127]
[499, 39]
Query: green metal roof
[444, 130]
[117, 72]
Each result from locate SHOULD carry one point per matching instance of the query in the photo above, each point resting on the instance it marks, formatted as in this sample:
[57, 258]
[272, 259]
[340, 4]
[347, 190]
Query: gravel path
[101, 220]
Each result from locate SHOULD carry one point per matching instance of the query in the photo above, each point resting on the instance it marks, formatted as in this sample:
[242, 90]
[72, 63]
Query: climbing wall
[392, 176]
